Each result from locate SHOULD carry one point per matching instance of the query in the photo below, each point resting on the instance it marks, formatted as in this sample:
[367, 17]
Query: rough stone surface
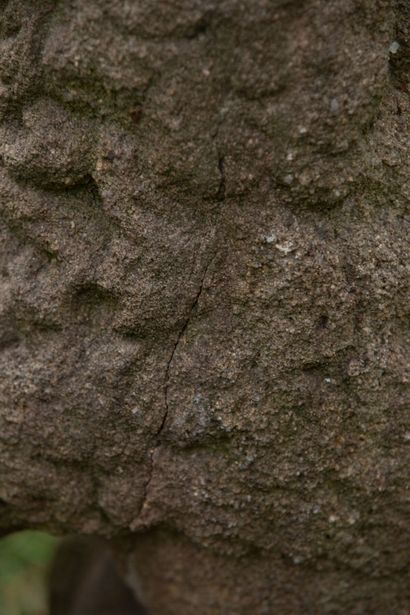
[204, 325]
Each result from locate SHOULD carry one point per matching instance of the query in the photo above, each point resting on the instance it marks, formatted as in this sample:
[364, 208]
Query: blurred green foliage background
[24, 562]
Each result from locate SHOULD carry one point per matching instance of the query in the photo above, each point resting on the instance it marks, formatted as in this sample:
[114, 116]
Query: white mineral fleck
[286, 247]
[270, 238]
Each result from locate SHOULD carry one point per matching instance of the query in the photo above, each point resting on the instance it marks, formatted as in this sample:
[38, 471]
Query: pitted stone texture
[204, 319]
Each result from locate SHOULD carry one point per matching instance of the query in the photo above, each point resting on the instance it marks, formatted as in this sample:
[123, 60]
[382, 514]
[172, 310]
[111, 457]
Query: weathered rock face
[205, 293]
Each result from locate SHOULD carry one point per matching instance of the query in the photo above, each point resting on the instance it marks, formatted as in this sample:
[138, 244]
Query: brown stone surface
[204, 323]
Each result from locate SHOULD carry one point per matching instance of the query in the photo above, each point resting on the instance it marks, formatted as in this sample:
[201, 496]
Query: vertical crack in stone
[220, 195]
[180, 335]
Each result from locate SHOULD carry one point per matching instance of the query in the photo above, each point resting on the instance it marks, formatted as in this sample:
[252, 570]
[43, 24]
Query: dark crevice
[91, 304]
[200, 28]
[43, 182]
[8, 340]
[92, 296]
[323, 321]
[94, 190]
